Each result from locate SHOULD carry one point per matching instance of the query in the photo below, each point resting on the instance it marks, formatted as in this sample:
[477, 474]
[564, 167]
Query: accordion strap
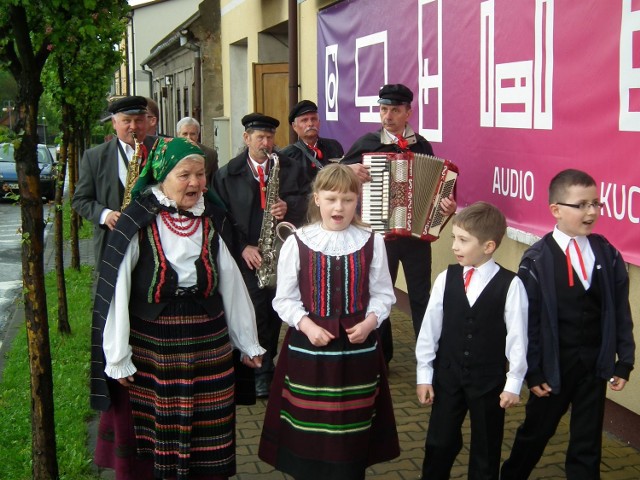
[313, 159]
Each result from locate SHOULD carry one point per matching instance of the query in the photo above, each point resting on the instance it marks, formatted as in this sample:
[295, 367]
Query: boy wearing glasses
[579, 322]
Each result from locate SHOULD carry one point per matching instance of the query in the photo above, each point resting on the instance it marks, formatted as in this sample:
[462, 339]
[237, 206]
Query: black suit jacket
[235, 185]
[99, 187]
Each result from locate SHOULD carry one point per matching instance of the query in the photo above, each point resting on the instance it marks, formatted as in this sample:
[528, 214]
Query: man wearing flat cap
[311, 151]
[397, 136]
[242, 185]
[103, 169]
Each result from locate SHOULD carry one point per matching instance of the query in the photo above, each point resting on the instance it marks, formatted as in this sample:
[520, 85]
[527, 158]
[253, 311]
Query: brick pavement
[619, 461]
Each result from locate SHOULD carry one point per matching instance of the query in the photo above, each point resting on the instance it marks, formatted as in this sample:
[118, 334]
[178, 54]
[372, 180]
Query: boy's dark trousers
[444, 437]
[586, 394]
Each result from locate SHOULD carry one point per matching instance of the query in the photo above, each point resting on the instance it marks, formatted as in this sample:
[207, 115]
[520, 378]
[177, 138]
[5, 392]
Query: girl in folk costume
[330, 413]
[170, 307]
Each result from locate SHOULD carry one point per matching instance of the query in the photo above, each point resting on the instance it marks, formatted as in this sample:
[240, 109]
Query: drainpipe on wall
[293, 61]
[197, 85]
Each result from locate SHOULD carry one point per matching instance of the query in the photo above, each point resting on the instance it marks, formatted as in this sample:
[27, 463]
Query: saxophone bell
[284, 230]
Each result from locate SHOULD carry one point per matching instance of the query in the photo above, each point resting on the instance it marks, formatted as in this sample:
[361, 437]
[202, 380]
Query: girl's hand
[318, 336]
[359, 332]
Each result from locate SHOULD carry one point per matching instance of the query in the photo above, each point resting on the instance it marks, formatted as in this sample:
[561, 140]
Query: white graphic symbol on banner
[629, 75]
[369, 77]
[428, 11]
[517, 94]
[331, 78]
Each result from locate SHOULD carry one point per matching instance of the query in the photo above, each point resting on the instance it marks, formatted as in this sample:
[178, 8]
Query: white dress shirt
[515, 319]
[181, 253]
[288, 301]
[122, 173]
[588, 257]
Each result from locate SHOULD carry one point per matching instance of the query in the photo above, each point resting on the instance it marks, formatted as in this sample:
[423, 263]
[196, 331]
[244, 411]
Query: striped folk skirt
[329, 413]
[183, 395]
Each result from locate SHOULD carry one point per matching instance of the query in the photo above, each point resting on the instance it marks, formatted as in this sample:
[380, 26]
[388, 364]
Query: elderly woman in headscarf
[171, 305]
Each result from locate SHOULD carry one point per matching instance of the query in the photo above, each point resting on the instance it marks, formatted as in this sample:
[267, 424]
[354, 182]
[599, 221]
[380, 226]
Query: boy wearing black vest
[475, 322]
[579, 320]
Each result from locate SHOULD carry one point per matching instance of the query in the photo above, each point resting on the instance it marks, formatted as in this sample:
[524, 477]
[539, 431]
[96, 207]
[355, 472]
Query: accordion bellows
[403, 197]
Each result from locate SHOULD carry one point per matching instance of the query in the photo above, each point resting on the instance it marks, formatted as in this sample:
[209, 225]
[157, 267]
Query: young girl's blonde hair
[334, 178]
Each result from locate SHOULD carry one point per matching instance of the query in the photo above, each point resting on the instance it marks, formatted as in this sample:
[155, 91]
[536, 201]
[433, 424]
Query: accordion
[403, 197]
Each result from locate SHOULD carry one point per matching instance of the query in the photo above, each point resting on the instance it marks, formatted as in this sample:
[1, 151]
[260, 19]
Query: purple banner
[512, 92]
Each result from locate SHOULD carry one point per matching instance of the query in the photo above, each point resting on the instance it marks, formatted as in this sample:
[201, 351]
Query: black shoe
[263, 385]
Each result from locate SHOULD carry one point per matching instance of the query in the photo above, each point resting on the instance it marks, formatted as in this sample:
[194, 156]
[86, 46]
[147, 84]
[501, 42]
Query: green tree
[77, 80]
[29, 32]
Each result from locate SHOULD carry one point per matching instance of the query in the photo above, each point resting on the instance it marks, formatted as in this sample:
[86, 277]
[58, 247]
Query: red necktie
[317, 150]
[570, 267]
[467, 278]
[402, 143]
[263, 200]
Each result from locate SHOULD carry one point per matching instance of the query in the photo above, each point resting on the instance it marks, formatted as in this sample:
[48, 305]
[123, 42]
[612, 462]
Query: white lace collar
[334, 243]
[197, 209]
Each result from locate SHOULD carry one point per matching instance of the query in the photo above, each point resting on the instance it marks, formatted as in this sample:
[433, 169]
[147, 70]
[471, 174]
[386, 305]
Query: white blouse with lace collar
[288, 300]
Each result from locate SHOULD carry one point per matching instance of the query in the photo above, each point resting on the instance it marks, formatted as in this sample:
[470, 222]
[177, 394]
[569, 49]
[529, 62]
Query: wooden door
[271, 95]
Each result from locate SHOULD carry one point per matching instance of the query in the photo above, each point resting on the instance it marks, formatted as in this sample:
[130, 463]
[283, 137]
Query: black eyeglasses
[584, 206]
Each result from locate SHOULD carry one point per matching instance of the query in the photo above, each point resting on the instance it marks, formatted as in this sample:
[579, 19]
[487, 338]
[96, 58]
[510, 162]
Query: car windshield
[6, 154]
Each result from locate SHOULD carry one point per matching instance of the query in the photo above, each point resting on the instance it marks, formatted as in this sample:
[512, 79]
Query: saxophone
[272, 233]
[132, 172]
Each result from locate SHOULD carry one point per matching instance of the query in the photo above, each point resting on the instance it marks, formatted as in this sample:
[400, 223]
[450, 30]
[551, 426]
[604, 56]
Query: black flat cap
[302, 107]
[395, 94]
[258, 121]
[130, 105]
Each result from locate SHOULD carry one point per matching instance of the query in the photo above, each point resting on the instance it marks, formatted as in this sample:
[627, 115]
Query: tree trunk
[26, 67]
[75, 218]
[63, 312]
[43, 443]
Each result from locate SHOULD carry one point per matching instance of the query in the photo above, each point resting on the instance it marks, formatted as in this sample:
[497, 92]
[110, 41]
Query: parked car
[9, 177]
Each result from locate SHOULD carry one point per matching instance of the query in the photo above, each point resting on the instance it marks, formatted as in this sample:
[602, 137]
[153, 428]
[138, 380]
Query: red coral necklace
[182, 226]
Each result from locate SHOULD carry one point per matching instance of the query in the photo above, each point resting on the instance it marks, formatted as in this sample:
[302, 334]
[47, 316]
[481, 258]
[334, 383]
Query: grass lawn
[70, 359]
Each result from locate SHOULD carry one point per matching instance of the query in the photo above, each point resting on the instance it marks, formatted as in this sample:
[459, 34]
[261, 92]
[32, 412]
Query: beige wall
[242, 20]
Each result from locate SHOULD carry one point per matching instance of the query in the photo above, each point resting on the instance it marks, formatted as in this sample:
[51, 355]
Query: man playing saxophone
[242, 185]
[103, 169]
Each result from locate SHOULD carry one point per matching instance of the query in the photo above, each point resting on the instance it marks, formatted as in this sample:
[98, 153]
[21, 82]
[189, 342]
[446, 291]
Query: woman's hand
[318, 336]
[360, 331]
[126, 381]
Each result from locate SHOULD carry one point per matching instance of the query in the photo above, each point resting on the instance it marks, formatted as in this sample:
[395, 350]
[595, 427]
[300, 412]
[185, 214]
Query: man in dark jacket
[243, 184]
[103, 169]
[311, 151]
[397, 136]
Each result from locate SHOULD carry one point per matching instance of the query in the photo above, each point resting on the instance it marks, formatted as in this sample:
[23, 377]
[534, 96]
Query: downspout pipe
[293, 61]
[197, 85]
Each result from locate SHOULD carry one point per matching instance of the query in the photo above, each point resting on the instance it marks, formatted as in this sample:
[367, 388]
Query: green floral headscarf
[165, 155]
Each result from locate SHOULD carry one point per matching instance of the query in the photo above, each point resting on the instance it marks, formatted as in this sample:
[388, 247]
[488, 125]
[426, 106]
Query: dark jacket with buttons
[543, 354]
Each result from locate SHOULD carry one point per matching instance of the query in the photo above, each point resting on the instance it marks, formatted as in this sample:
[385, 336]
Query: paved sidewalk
[619, 461]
